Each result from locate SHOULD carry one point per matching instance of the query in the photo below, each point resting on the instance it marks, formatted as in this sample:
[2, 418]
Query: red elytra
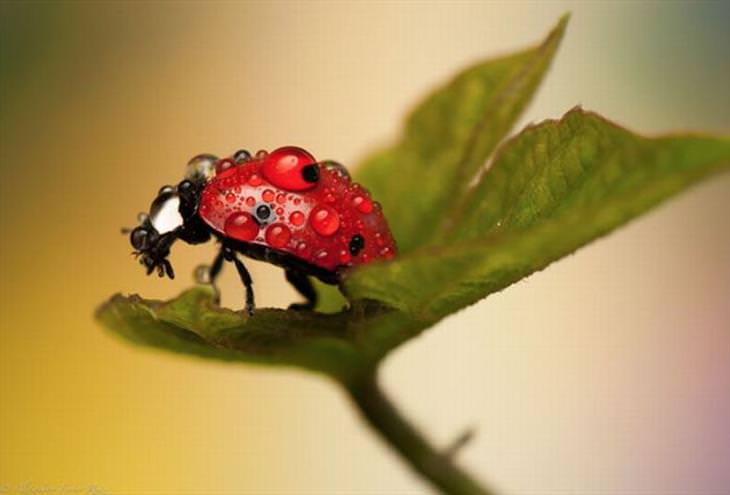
[314, 212]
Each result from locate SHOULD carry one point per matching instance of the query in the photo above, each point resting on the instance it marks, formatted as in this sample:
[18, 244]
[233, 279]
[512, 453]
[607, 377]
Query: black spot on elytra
[357, 243]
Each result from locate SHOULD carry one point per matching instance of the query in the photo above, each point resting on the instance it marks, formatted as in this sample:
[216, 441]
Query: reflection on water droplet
[322, 255]
[242, 226]
[336, 168]
[363, 204]
[296, 218]
[302, 249]
[201, 167]
[230, 197]
[324, 220]
[223, 165]
[345, 256]
[241, 156]
[278, 235]
[201, 274]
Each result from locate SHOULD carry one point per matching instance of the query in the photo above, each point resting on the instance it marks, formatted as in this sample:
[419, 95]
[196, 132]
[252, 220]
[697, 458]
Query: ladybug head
[171, 217]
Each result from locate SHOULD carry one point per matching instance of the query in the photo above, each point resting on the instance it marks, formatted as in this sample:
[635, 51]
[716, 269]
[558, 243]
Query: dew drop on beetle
[278, 235]
[201, 167]
[242, 226]
[296, 218]
[241, 156]
[324, 220]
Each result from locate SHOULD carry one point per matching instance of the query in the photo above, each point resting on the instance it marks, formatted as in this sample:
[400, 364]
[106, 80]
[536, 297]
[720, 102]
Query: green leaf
[463, 233]
[193, 323]
[449, 136]
[552, 189]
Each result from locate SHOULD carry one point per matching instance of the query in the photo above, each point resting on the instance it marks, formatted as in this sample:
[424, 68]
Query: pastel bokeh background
[607, 373]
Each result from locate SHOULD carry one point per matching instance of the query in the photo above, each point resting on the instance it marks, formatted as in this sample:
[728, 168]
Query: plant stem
[435, 466]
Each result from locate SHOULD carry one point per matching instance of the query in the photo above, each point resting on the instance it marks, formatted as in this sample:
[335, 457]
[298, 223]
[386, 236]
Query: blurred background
[607, 373]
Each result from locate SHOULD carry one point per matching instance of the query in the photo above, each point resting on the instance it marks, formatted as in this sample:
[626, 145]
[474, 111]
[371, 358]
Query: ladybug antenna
[126, 230]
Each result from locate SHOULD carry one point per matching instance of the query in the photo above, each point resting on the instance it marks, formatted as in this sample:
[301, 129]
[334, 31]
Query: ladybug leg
[304, 286]
[215, 270]
[230, 255]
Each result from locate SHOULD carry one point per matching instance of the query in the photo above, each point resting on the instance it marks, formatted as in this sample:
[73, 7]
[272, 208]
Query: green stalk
[437, 467]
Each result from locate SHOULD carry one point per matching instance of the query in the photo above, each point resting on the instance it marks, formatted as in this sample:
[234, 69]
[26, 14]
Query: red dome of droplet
[324, 220]
[241, 226]
[278, 235]
[285, 168]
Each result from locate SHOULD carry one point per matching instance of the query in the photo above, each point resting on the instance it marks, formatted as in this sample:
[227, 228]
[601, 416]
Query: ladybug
[282, 207]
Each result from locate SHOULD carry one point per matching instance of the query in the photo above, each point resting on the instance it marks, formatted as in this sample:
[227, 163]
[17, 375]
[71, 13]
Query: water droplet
[302, 249]
[241, 156]
[255, 180]
[324, 220]
[268, 195]
[322, 255]
[218, 203]
[363, 204]
[297, 201]
[223, 165]
[278, 235]
[230, 197]
[280, 211]
[201, 274]
[281, 198]
[345, 256]
[250, 201]
[337, 168]
[290, 168]
[379, 239]
[297, 218]
[242, 226]
[201, 167]
[330, 198]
